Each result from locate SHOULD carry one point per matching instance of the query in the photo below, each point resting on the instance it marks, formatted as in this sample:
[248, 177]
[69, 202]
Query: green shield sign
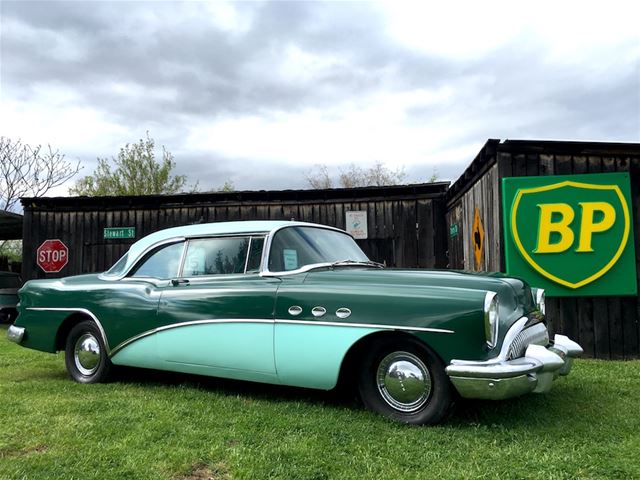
[572, 235]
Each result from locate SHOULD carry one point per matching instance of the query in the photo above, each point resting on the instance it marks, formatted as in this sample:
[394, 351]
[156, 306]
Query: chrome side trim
[80, 310]
[294, 322]
[305, 268]
[365, 325]
[120, 346]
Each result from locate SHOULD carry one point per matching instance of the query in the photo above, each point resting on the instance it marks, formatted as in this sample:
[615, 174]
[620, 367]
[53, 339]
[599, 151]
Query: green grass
[155, 425]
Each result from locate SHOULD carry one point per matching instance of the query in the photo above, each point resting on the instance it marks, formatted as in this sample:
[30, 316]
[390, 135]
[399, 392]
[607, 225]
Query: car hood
[511, 290]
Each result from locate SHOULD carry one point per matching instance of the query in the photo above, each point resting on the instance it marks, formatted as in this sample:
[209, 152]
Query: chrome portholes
[343, 312]
[318, 311]
[87, 354]
[403, 381]
[295, 310]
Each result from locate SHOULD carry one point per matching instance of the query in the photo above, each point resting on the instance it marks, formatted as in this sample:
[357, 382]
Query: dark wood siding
[404, 222]
[606, 327]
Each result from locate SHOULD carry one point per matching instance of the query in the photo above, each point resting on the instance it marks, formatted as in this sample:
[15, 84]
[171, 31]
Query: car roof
[207, 229]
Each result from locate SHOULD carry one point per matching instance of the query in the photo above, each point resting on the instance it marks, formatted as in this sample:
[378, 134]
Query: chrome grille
[536, 335]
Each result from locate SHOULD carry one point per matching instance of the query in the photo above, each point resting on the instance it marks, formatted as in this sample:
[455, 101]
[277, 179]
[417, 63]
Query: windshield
[295, 247]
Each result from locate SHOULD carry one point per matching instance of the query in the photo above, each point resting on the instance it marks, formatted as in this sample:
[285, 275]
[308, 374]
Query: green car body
[304, 324]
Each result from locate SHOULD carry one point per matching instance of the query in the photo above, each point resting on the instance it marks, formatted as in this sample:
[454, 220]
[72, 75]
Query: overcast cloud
[258, 92]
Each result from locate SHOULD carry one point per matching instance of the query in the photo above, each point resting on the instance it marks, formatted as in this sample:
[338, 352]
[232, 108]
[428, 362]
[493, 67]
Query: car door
[128, 307]
[219, 312]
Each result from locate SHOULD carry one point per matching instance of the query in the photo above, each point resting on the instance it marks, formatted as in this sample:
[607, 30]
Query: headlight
[540, 301]
[491, 317]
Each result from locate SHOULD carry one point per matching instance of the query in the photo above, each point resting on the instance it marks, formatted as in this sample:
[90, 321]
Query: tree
[353, 176]
[227, 186]
[134, 172]
[30, 172]
[318, 177]
[27, 171]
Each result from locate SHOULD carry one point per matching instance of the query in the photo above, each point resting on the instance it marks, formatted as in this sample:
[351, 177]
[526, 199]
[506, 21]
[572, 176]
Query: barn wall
[404, 224]
[484, 196]
[606, 327]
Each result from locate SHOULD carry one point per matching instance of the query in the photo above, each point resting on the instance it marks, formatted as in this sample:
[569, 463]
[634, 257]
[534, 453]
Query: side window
[216, 256]
[163, 263]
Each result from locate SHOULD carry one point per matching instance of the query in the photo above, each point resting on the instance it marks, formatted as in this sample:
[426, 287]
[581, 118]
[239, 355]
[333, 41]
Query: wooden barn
[606, 327]
[412, 226]
[405, 224]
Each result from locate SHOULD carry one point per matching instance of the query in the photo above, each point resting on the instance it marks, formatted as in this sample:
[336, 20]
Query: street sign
[477, 238]
[571, 234]
[52, 256]
[119, 232]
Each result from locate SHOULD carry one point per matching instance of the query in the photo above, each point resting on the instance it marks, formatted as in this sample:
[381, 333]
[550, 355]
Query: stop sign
[52, 256]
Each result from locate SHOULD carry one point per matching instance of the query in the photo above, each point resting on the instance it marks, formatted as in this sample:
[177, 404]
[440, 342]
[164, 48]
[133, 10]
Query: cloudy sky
[259, 92]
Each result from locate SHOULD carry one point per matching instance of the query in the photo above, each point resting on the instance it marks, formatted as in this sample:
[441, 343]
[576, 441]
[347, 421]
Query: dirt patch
[218, 471]
[11, 453]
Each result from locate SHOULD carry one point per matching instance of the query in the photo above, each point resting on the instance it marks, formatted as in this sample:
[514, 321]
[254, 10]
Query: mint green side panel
[236, 346]
[311, 355]
[242, 351]
[141, 353]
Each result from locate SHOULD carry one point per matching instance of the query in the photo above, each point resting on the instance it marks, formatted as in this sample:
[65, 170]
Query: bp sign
[572, 235]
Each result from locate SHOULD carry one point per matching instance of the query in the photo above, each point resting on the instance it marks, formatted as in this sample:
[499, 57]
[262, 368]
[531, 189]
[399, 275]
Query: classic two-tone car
[298, 304]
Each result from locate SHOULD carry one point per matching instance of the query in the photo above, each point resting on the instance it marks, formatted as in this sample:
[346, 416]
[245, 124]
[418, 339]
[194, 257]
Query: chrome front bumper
[15, 334]
[498, 378]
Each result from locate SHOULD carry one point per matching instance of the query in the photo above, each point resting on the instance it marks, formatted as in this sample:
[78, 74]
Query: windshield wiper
[357, 262]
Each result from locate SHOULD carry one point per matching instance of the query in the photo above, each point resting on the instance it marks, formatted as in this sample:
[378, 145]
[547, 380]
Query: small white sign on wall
[357, 224]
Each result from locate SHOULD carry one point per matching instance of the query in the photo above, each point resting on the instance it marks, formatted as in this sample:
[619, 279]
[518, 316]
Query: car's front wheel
[406, 382]
[86, 357]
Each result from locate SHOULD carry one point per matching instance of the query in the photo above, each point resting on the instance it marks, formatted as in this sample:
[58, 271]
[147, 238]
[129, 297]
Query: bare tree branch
[26, 171]
[318, 177]
[353, 176]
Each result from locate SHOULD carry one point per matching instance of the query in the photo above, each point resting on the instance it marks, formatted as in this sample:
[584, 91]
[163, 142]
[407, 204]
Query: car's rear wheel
[406, 382]
[86, 357]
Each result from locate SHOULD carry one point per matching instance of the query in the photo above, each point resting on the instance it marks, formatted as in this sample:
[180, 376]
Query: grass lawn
[164, 426]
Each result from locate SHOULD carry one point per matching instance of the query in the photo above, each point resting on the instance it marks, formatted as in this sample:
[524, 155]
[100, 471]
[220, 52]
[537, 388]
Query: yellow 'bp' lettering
[564, 216]
[561, 227]
[588, 226]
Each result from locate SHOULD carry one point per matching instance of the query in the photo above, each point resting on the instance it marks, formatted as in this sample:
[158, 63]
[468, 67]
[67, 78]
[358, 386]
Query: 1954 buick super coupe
[298, 304]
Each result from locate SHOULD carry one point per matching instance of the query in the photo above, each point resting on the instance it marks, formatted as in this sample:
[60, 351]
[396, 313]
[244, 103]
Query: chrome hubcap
[87, 354]
[404, 381]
